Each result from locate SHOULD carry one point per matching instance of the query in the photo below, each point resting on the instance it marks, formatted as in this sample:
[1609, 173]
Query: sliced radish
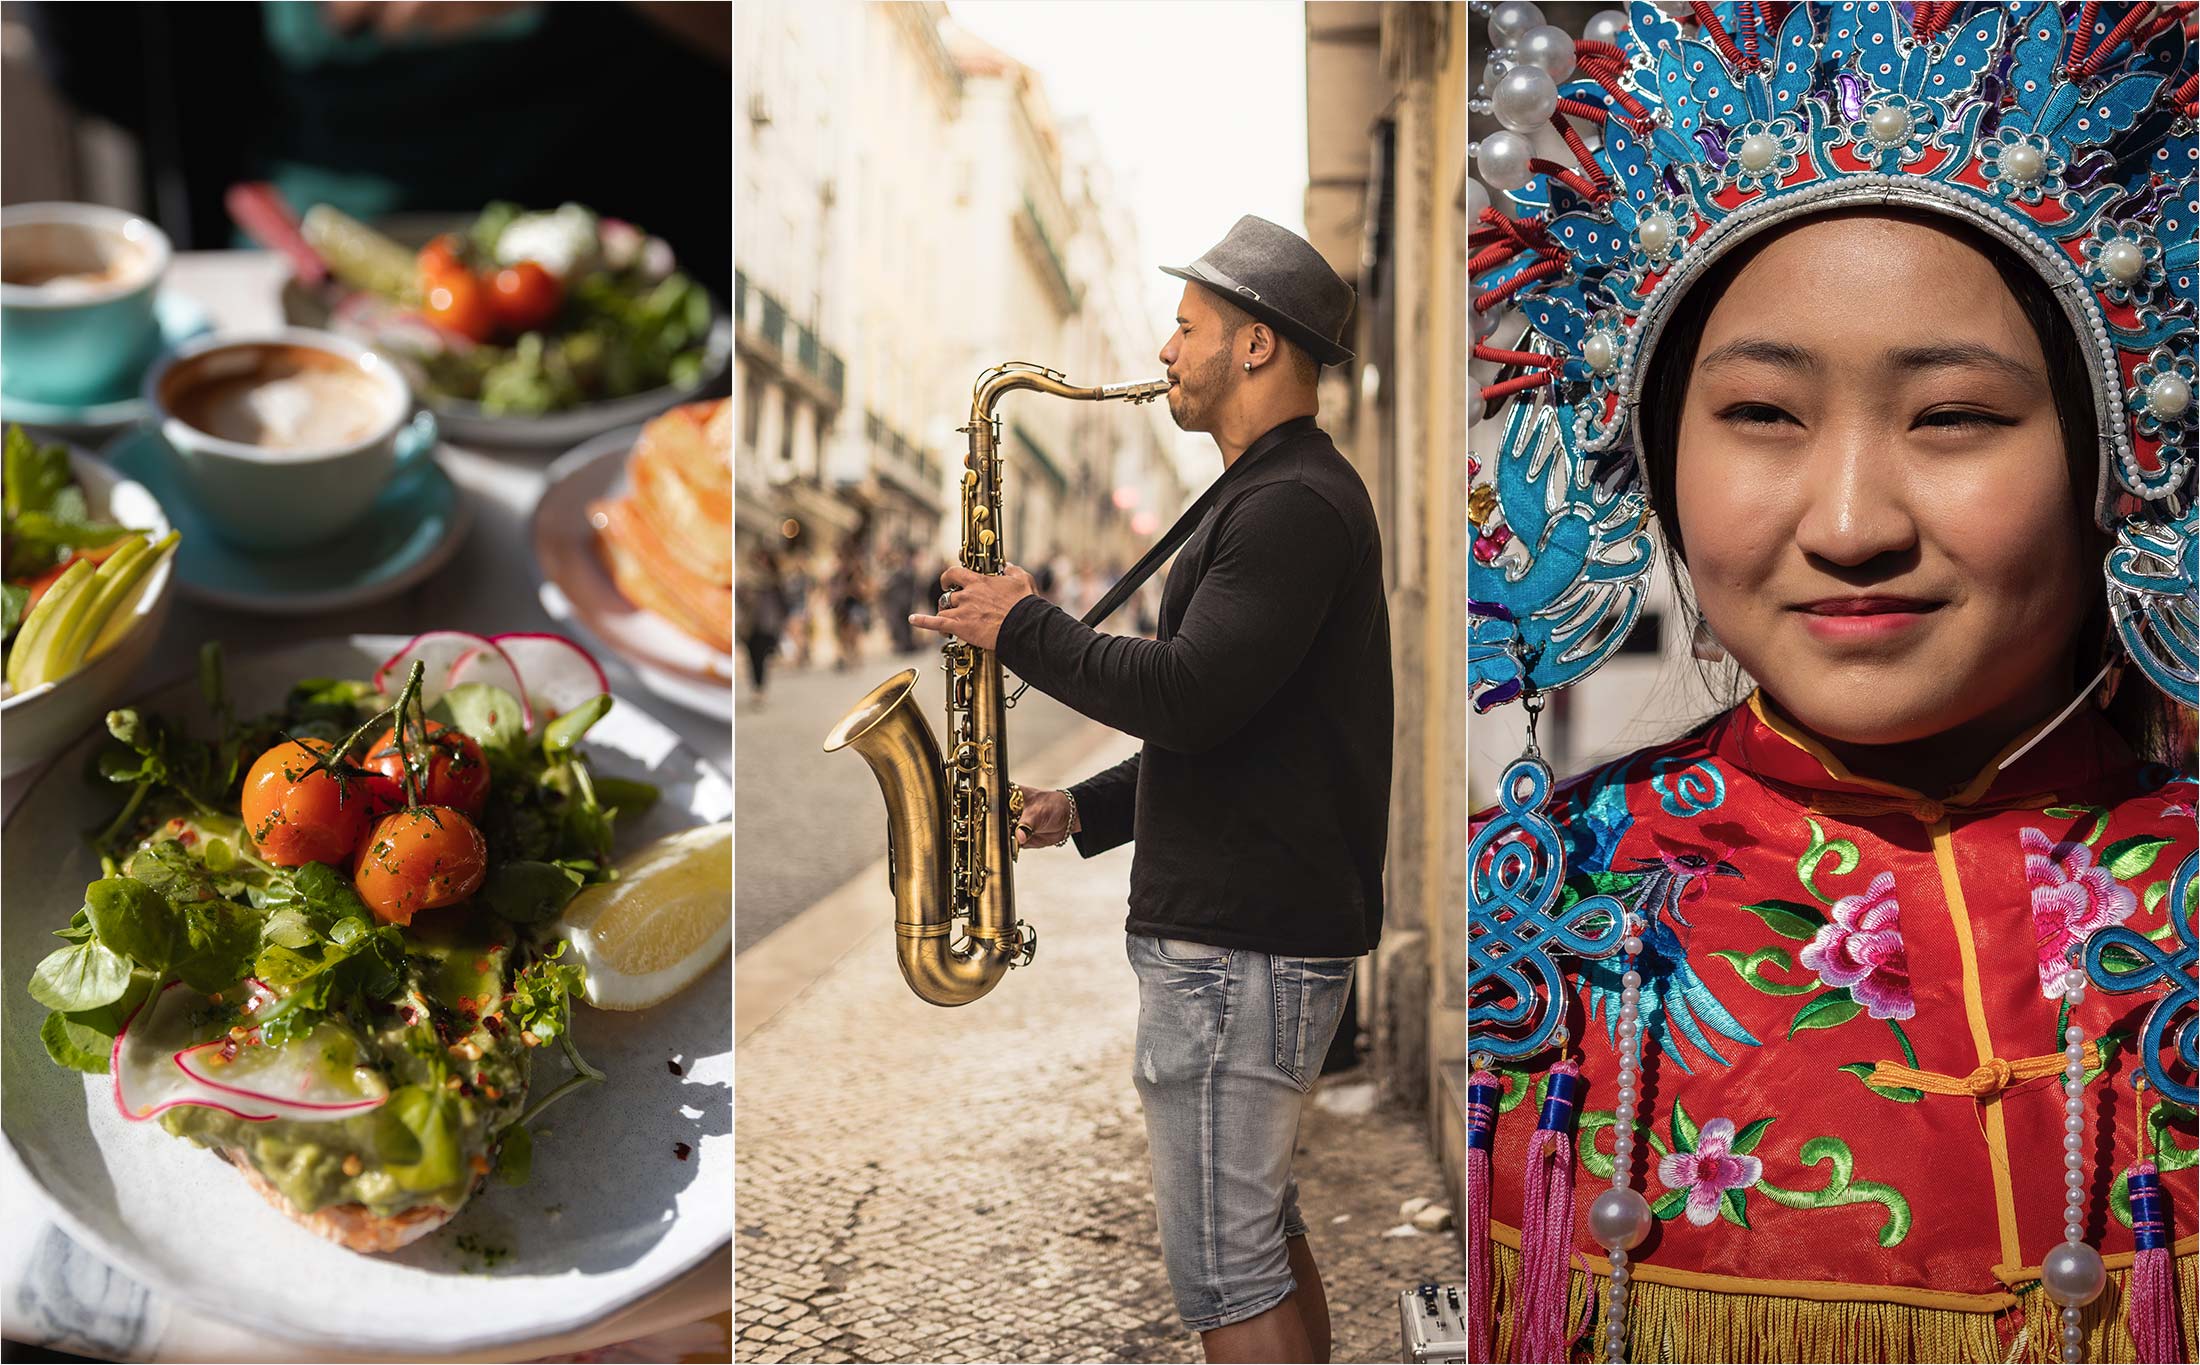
[147, 1080]
[560, 674]
[298, 1079]
[452, 657]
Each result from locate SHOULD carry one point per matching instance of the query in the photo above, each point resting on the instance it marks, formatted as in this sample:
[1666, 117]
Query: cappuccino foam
[277, 398]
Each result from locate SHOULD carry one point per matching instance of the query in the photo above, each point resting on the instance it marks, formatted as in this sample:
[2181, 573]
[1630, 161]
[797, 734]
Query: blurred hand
[980, 604]
[1045, 821]
[414, 18]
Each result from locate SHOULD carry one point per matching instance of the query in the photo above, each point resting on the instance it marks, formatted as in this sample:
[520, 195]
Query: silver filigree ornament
[1761, 154]
[2124, 263]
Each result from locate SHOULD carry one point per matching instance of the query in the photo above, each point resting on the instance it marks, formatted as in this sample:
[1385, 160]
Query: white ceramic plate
[578, 590]
[609, 1214]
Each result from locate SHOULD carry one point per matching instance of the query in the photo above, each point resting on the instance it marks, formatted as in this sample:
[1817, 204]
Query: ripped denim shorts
[1229, 1042]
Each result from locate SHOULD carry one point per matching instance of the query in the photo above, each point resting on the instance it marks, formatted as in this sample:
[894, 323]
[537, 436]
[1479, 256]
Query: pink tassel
[1547, 1223]
[2152, 1300]
[1483, 1091]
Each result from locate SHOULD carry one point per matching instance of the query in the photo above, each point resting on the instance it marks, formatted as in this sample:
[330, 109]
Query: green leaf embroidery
[2168, 1156]
[2110, 1042]
[2155, 892]
[1842, 851]
[1670, 1207]
[1843, 1188]
[1909, 1054]
[1746, 1140]
[1750, 968]
[1684, 1129]
[1903, 1093]
[1732, 1209]
[1516, 1090]
[2128, 858]
[1826, 1011]
[1597, 1162]
[1789, 919]
[2099, 814]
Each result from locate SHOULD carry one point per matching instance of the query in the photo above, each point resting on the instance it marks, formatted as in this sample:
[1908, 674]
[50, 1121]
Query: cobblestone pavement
[924, 1184]
[807, 820]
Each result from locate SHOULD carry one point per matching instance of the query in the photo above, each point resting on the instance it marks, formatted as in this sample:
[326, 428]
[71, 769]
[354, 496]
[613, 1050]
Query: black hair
[2146, 719]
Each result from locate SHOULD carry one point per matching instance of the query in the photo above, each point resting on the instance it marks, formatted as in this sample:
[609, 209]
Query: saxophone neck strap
[1161, 549]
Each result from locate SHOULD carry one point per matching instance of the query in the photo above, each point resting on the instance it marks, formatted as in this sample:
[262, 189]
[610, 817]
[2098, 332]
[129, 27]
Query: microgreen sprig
[342, 770]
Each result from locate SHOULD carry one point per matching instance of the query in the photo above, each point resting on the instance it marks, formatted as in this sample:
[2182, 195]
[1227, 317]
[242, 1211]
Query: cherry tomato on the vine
[525, 297]
[453, 773]
[296, 813]
[420, 858]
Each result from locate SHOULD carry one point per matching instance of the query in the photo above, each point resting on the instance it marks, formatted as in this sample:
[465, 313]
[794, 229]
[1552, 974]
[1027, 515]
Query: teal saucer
[181, 318]
[411, 531]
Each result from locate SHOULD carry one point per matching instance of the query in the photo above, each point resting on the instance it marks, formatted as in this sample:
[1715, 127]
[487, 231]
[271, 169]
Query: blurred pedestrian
[900, 598]
[761, 605]
[798, 588]
[851, 597]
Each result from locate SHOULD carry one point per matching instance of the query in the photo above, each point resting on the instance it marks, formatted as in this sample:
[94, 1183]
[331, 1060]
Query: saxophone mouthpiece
[1140, 391]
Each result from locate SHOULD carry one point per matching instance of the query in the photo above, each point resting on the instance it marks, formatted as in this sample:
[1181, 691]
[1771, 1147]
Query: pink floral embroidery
[2070, 899]
[1710, 1171]
[1862, 950]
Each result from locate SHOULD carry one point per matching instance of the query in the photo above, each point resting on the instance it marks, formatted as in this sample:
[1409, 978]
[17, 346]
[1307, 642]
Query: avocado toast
[356, 1031]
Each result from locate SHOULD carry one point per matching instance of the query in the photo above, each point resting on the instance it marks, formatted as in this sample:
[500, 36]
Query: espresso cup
[285, 438]
[77, 283]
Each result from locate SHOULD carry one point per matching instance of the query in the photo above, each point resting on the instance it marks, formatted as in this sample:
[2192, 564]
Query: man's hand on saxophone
[974, 604]
[1048, 819]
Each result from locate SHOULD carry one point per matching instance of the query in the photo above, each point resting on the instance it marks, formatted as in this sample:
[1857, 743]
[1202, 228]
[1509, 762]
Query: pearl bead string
[1620, 1217]
[2072, 1273]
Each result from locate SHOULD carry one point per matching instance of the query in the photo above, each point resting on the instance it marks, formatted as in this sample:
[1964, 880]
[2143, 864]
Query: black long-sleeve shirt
[1260, 802]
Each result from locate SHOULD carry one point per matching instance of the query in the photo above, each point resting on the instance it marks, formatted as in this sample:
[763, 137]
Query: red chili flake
[494, 1023]
[481, 964]
[187, 838]
[681, 1150]
[412, 1016]
[229, 1050]
[466, 1003]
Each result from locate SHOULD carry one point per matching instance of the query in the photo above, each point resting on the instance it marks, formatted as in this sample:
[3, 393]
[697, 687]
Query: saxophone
[951, 821]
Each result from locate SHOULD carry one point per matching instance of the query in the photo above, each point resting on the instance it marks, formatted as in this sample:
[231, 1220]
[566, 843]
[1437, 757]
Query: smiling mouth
[1837, 619]
[1869, 606]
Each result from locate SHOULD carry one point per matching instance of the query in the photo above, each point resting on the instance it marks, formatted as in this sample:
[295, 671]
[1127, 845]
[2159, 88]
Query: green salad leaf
[526, 892]
[83, 976]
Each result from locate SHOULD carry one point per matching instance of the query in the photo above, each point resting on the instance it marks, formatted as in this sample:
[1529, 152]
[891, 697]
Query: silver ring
[947, 600]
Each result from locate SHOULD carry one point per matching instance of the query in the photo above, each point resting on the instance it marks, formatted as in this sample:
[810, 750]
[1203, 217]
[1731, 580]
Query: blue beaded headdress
[2066, 132]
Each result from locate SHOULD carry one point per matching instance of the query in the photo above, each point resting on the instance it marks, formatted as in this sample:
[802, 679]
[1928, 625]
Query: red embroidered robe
[1850, 1109]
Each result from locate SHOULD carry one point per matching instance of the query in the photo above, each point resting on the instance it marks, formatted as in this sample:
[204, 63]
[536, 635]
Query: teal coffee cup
[77, 283]
[285, 438]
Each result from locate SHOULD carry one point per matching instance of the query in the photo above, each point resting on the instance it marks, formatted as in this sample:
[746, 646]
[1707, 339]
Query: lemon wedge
[663, 923]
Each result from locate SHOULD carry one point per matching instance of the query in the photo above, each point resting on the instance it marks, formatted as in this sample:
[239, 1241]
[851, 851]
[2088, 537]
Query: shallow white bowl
[39, 723]
[611, 1213]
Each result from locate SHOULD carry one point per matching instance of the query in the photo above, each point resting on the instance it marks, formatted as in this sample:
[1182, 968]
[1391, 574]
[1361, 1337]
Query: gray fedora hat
[1278, 277]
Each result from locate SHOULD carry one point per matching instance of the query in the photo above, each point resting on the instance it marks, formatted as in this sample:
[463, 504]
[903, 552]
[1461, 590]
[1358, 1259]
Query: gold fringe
[1668, 1323]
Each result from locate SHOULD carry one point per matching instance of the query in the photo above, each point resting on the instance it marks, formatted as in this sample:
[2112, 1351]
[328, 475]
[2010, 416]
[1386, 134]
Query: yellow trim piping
[1970, 792]
[1974, 1010]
